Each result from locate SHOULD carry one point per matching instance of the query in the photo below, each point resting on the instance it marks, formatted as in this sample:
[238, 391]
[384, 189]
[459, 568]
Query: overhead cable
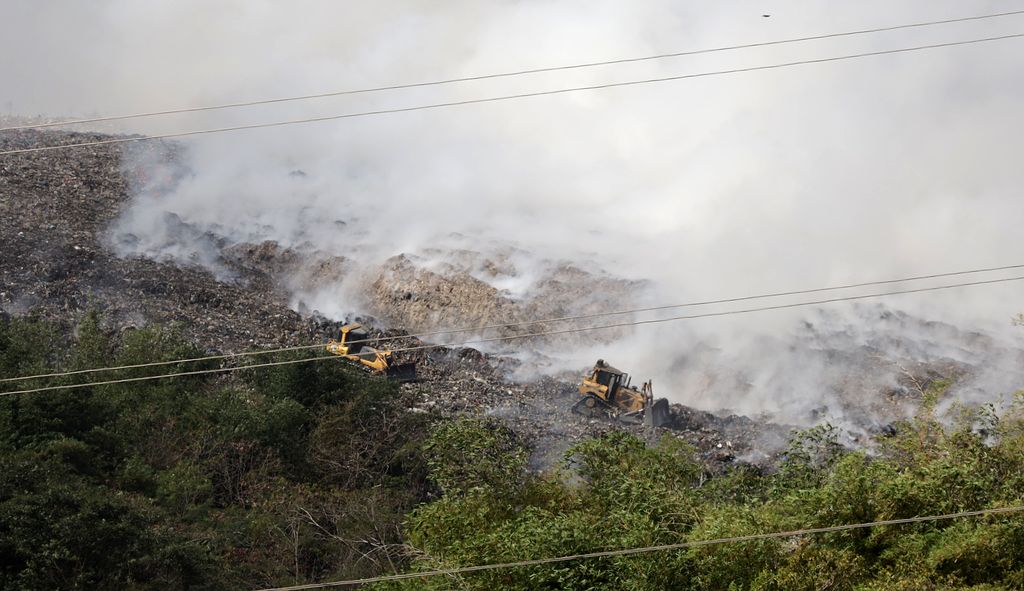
[475, 78]
[646, 549]
[509, 97]
[523, 336]
[524, 323]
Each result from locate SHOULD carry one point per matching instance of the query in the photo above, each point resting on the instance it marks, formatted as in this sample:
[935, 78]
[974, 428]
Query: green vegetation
[618, 493]
[276, 477]
[314, 471]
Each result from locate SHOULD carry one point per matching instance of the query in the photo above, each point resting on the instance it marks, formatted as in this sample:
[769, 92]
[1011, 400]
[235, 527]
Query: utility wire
[526, 335]
[647, 549]
[714, 314]
[718, 301]
[519, 324]
[511, 73]
[197, 372]
[509, 97]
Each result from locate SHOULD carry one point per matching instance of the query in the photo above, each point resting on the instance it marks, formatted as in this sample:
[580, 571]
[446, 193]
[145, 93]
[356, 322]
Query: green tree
[466, 455]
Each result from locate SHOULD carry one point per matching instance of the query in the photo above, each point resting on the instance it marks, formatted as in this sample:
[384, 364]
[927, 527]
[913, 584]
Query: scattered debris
[56, 208]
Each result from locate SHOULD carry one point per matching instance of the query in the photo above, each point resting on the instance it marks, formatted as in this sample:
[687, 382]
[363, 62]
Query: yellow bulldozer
[353, 344]
[606, 391]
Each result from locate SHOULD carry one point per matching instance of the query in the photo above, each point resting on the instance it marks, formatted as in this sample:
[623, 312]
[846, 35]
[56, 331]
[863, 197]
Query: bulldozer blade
[405, 372]
[631, 418]
[658, 414]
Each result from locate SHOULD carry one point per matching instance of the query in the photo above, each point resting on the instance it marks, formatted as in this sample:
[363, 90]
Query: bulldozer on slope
[353, 344]
[606, 391]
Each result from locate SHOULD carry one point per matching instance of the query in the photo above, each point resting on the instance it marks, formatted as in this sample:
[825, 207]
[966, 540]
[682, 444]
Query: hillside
[316, 471]
[56, 210]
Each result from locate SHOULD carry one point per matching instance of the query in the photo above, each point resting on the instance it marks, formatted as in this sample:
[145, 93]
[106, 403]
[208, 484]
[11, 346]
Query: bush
[200, 482]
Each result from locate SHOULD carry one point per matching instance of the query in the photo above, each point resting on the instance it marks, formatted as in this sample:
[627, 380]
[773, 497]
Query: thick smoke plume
[722, 186]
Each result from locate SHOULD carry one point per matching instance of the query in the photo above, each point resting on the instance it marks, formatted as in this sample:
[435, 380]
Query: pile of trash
[57, 209]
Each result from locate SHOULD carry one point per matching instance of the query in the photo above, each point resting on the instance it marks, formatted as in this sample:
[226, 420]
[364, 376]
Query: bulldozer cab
[354, 337]
[609, 377]
[609, 380]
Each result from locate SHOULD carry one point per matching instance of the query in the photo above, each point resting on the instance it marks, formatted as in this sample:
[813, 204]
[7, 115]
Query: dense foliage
[618, 493]
[314, 471]
[283, 475]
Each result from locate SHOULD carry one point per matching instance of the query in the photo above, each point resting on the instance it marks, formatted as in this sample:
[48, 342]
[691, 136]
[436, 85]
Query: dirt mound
[406, 295]
[414, 293]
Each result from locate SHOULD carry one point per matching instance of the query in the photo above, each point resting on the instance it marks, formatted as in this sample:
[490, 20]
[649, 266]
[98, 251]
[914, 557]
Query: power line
[511, 73]
[527, 335]
[723, 300]
[60, 374]
[509, 97]
[717, 314]
[197, 372]
[520, 324]
[648, 549]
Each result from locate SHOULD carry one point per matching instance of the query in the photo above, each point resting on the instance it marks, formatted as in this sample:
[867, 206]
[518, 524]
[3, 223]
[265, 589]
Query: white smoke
[721, 186]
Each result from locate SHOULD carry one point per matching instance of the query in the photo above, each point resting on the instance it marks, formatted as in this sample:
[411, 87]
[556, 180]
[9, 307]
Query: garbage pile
[56, 209]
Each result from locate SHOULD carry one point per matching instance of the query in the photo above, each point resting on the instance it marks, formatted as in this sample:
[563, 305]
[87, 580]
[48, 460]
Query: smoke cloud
[714, 187]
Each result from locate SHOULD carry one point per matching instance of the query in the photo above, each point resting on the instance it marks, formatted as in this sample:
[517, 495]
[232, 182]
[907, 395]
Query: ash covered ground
[63, 256]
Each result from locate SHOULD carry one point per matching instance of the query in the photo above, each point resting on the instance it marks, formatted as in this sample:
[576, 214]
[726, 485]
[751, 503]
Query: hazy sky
[721, 186]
